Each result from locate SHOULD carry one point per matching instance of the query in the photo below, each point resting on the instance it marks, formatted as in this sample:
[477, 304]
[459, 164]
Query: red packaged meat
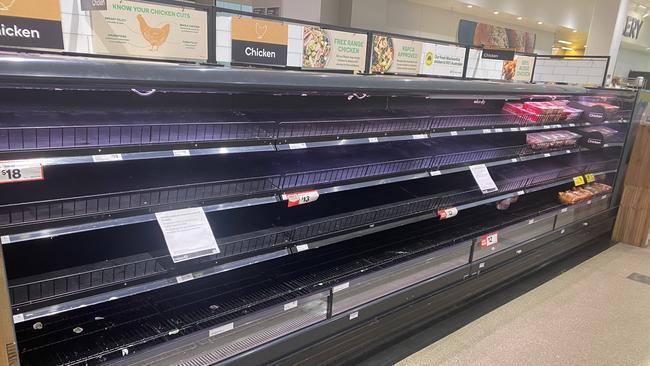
[551, 139]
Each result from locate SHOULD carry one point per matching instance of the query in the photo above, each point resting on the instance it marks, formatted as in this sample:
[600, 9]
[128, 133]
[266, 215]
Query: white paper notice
[483, 178]
[187, 233]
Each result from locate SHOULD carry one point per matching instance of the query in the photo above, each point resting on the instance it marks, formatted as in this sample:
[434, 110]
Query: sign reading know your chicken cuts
[31, 24]
[148, 30]
[259, 42]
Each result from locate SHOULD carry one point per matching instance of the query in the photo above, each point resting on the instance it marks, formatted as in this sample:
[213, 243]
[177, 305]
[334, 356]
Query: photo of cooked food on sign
[317, 48]
[494, 36]
[383, 53]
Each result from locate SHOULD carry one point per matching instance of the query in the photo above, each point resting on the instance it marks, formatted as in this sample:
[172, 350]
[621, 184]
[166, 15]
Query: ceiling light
[540, 22]
[495, 12]
[575, 31]
[642, 6]
[567, 48]
[645, 15]
[519, 18]
[563, 41]
[470, 6]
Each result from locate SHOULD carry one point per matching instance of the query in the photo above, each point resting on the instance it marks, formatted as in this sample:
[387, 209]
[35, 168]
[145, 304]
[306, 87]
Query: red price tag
[446, 213]
[301, 198]
[489, 239]
[20, 171]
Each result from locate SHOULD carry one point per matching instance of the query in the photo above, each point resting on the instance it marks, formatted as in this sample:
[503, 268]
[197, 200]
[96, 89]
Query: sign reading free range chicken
[139, 29]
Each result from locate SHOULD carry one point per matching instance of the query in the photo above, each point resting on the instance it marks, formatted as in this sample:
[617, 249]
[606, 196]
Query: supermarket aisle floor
[592, 314]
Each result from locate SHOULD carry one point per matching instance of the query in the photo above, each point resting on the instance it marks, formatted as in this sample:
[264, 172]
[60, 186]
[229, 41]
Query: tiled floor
[592, 314]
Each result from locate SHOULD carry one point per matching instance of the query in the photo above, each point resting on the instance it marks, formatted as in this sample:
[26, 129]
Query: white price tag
[481, 265]
[546, 127]
[181, 152]
[498, 130]
[297, 146]
[547, 155]
[187, 233]
[20, 171]
[514, 129]
[291, 305]
[483, 178]
[435, 173]
[446, 213]
[340, 287]
[562, 231]
[603, 197]
[572, 124]
[107, 157]
[222, 329]
[301, 198]
[184, 278]
[354, 315]
[514, 160]
[302, 247]
[520, 193]
[487, 130]
[373, 139]
[564, 210]
[420, 136]
[454, 133]
[531, 221]
[589, 202]
[568, 151]
[19, 318]
[523, 129]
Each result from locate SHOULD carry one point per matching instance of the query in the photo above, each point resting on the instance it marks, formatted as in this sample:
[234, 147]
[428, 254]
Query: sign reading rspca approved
[259, 42]
[31, 24]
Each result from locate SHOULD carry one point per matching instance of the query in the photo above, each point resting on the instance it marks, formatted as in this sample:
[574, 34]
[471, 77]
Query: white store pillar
[606, 30]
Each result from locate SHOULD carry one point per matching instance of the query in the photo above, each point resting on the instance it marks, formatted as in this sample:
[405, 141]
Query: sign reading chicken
[259, 42]
[31, 23]
[148, 30]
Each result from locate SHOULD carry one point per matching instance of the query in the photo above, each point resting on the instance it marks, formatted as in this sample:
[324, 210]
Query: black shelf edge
[31, 70]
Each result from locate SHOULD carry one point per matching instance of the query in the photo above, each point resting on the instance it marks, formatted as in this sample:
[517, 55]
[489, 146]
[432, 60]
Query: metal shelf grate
[66, 137]
[351, 127]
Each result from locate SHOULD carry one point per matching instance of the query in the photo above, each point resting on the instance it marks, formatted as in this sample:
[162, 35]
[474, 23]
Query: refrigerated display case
[396, 220]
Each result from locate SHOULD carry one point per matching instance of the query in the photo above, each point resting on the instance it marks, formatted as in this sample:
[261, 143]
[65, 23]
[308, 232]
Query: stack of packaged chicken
[583, 193]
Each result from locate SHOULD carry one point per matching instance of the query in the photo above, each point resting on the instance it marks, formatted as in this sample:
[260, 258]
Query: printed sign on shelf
[139, 29]
[442, 60]
[395, 55]
[31, 24]
[333, 50]
[489, 239]
[301, 198]
[483, 179]
[187, 233]
[498, 54]
[92, 5]
[259, 42]
[579, 180]
[16, 172]
[590, 178]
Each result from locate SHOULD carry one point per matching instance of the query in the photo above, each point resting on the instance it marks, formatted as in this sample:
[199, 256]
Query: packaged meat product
[519, 110]
[603, 188]
[551, 139]
[505, 204]
[569, 197]
[568, 113]
[548, 110]
[606, 131]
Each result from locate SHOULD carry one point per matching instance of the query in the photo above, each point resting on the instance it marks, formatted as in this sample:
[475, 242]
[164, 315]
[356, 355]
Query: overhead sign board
[259, 42]
[31, 24]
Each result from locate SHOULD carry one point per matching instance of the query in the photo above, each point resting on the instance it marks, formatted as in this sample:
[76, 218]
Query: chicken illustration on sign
[145, 29]
[155, 36]
[6, 4]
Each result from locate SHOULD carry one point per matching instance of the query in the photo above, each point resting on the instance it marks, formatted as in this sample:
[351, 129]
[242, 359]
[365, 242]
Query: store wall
[400, 16]
[631, 60]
